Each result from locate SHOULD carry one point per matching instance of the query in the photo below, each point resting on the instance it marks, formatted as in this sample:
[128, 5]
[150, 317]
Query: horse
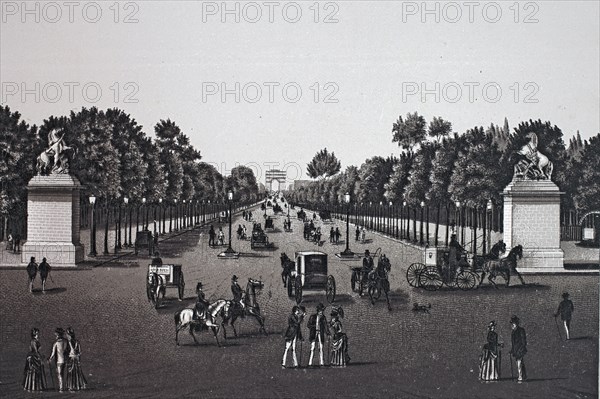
[232, 310]
[537, 165]
[185, 319]
[156, 286]
[494, 254]
[503, 267]
[378, 282]
[44, 160]
[287, 266]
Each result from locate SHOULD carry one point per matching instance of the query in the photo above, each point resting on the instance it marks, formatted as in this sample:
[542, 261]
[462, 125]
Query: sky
[268, 84]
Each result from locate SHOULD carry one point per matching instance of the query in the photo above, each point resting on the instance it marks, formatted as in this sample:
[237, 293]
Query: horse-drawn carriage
[301, 214]
[309, 272]
[259, 238]
[144, 239]
[464, 274]
[269, 223]
[161, 277]
[376, 280]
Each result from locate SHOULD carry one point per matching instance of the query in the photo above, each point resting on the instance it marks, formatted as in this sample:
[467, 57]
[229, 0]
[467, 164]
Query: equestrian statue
[55, 159]
[534, 165]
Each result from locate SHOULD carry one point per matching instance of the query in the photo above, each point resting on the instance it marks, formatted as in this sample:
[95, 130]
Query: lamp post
[161, 215]
[488, 226]
[392, 221]
[203, 212]
[126, 202]
[176, 215]
[421, 223]
[106, 228]
[404, 229]
[118, 246]
[229, 252]
[144, 218]
[347, 254]
[93, 230]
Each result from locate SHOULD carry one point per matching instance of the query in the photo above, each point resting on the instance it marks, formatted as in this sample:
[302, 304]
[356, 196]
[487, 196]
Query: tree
[374, 174]
[410, 132]
[398, 179]
[587, 197]
[243, 183]
[323, 164]
[439, 128]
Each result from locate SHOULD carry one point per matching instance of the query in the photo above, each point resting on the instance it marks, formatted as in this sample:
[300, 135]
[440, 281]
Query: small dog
[421, 308]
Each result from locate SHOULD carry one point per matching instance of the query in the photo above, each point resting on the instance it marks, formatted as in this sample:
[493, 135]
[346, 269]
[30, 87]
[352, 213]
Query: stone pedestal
[532, 219]
[53, 221]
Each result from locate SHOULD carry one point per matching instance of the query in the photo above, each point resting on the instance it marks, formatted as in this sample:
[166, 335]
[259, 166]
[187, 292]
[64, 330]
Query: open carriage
[259, 239]
[438, 271]
[161, 277]
[310, 273]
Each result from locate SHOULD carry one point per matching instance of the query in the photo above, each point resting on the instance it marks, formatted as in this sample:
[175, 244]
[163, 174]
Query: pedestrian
[331, 235]
[339, 346]
[34, 378]
[244, 232]
[519, 347]
[16, 243]
[10, 242]
[317, 328]
[337, 235]
[44, 272]
[59, 352]
[32, 269]
[489, 361]
[75, 377]
[292, 335]
[363, 234]
[244, 214]
[565, 309]
[211, 236]
[221, 237]
[357, 233]
[239, 231]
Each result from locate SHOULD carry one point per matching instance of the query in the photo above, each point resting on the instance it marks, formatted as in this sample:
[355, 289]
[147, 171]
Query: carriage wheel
[330, 289]
[298, 289]
[289, 285]
[148, 291]
[430, 279]
[466, 280]
[181, 286]
[413, 273]
[353, 281]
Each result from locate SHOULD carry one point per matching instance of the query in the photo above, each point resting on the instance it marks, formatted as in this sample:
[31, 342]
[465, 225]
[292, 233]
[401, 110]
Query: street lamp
[184, 214]
[145, 218]
[93, 230]
[458, 219]
[162, 211]
[421, 223]
[176, 215]
[229, 252]
[118, 230]
[404, 230]
[392, 221]
[488, 226]
[347, 254]
[126, 202]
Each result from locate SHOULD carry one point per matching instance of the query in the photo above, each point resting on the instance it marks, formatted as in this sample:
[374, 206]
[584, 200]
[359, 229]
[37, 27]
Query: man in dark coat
[201, 308]
[357, 232]
[565, 309]
[519, 347]
[237, 292]
[455, 252]
[211, 236]
[331, 235]
[317, 328]
[44, 271]
[32, 268]
[337, 235]
[367, 267]
[293, 333]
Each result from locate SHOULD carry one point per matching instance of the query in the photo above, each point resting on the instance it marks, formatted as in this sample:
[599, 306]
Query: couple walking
[66, 352]
[318, 327]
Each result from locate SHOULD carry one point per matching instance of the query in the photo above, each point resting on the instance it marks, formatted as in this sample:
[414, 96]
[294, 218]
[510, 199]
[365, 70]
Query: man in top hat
[519, 347]
[237, 292]
[317, 328]
[293, 334]
[44, 269]
[565, 309]
[201, 307]
[455, 251]
[32, 269]
[367, 267]
[59, 352]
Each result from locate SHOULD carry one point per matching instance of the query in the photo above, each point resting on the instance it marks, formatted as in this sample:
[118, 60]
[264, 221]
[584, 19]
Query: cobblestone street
[128, 347]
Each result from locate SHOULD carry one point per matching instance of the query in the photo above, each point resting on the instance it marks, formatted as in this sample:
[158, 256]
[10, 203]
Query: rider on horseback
[201, 308]
[237, 292]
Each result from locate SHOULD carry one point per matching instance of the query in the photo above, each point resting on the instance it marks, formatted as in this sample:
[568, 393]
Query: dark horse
[378, 281]
[503, 267]
[232, 310]
[287, 265]
[497, 249]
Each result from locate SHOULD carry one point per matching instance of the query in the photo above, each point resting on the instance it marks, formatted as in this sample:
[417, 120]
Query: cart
[436, 272]
[259, 239]
[310, 273]
[144, 239]
[161, 277]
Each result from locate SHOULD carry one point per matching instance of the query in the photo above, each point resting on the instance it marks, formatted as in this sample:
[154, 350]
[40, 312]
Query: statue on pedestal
[58, 155]
[534, 165]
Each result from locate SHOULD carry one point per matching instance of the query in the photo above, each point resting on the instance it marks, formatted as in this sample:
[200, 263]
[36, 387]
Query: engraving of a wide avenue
[299, 199]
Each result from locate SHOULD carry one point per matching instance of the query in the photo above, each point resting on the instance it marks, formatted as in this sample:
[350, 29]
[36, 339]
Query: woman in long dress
[489, 365]
[34, 378]
[75, 377]
[339, 346]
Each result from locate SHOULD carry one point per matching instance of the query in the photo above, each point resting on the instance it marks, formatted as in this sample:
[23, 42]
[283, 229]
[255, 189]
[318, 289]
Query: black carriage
[373, 283]
[144, 240]
[438, 271]
[269, 223]
[277, 208]
[310, 273]
[259, 239]
[301, 214]
[161, 277]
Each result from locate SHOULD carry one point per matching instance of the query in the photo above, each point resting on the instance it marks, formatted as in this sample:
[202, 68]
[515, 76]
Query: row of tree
[439, 167]
[115, 158]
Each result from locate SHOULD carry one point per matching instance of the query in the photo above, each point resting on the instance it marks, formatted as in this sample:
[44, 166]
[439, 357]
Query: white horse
[185, 318]
[539, 165]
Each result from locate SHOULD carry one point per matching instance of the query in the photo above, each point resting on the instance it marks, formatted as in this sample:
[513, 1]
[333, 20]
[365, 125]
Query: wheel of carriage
[413, 273]
[157, 300]
[466, 280]
[451, 277]
[181, 287]
[148, 291]
[330, 289]
[298, 289]
[354, 280]
[430, 279]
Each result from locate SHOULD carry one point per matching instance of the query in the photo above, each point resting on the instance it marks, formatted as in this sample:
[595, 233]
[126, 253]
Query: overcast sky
[300, 76]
